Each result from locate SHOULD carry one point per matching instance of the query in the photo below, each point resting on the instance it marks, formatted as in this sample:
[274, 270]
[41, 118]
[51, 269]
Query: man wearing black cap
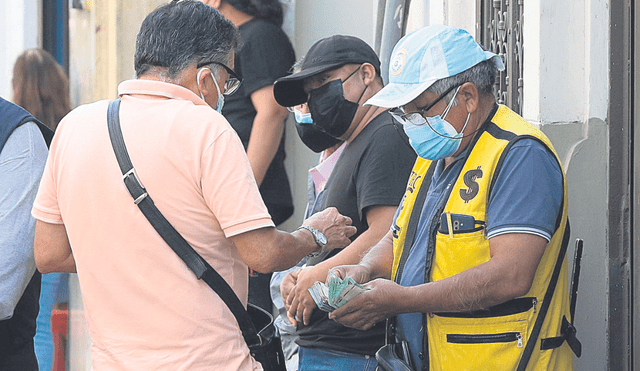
[338, 75]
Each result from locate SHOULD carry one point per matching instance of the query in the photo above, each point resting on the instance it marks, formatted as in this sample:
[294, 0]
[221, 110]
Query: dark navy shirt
[526, 198]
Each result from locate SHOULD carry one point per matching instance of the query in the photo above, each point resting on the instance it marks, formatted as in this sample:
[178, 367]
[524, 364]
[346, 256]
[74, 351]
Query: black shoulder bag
[263, 344]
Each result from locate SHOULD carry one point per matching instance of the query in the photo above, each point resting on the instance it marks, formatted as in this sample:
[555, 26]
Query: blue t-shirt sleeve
[527, 195]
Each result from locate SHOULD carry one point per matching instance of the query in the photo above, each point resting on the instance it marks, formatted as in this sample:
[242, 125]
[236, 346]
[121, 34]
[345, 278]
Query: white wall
[567, 93]
[19, 30]
[558, 62]
[566, 60]
[596, 44]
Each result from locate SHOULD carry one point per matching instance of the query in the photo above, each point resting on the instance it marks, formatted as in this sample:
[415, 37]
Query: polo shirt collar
[158, 89]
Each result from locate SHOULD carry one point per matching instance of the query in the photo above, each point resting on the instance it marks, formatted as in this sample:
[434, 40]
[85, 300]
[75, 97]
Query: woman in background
[265, 56]
[41, 87]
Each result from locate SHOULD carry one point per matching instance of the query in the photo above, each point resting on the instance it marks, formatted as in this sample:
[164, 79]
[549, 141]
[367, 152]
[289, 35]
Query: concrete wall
[571, 77]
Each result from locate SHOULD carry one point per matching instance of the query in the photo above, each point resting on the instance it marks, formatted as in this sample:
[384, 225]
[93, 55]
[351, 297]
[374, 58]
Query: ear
[469, 96]
[369, 73]
[205, 82]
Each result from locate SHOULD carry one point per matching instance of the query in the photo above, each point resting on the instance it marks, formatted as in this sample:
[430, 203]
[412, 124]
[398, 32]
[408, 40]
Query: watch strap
[315, 233]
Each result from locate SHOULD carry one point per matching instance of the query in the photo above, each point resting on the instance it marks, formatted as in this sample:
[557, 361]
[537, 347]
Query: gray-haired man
[482, 225]
[145, 309]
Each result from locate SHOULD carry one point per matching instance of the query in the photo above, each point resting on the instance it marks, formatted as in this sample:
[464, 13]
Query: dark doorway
[635, 301]
[55, 30]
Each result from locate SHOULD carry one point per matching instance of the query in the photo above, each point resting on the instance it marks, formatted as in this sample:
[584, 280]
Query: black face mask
[330, 110]
[314, 138]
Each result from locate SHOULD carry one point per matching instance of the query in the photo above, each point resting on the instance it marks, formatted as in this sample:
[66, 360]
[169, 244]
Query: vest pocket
[505, 337]
[458, 253]
[480, 343]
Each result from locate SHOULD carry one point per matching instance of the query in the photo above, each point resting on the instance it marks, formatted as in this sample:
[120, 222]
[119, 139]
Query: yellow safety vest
[461, 341]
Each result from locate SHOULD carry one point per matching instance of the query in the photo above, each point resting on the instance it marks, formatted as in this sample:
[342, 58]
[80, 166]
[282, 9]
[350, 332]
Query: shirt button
[421, 356]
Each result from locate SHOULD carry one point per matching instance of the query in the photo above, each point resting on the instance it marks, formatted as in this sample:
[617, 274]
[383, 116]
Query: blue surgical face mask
[433, 138]
[220, 103]
[302, 118]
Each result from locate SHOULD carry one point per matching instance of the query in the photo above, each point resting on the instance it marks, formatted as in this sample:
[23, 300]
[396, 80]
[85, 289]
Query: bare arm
[51, 248]
[266, 132]
[377, 263]
[299, 301]
[379, 219]
[268, 249]
[507, 275]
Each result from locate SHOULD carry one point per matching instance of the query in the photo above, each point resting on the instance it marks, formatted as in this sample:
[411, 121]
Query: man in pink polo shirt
[145, 309]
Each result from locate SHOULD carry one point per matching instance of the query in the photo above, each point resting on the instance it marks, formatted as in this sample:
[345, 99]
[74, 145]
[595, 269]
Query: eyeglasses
[417, 118]
[233, 82]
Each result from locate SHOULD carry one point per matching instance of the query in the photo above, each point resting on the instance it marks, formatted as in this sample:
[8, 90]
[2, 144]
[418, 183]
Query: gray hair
[483, 75]
[180, 33]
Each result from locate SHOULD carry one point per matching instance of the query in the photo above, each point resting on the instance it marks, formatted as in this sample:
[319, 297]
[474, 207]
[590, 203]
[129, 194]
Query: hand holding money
[338, 292]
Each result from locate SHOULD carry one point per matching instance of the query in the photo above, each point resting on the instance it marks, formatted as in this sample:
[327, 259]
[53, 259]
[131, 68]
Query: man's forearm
[476, 288]
[268, 249]
[351, 254]
[507, 275]
[379, 259]
[379, 219]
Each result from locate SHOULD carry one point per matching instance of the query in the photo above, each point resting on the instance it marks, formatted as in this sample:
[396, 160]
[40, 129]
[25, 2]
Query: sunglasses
[233, 82]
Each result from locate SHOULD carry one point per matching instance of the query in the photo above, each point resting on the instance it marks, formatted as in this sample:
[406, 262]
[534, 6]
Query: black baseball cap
[327, 54]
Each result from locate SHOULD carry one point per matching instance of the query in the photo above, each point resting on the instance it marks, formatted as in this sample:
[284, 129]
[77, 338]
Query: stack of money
[336, 294]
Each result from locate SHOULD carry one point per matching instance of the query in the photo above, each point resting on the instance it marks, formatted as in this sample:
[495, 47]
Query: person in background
[338, 75]
[41, 87]
[145, 309]
[23, 152]
[330, 149]
[483, 224]
[266, 54]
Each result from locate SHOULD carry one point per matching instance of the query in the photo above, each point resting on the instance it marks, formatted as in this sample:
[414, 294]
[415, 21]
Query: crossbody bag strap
[170, 235]
[544, 308]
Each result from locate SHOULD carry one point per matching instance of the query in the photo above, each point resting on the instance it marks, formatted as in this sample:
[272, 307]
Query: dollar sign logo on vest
[470, 180]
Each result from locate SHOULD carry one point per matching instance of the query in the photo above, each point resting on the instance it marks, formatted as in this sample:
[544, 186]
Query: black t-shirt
[265, 56]
[373, 170]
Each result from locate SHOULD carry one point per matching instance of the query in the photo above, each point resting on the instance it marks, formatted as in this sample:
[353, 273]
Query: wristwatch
[319, 237]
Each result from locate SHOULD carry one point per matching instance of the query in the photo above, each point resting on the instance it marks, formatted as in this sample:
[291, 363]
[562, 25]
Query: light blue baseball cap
[425, 56]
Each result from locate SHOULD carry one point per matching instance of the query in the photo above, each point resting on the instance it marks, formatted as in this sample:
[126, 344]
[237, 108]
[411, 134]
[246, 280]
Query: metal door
[624, 188]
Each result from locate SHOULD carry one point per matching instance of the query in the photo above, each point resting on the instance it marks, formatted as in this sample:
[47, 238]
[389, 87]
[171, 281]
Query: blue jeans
[331, 360]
